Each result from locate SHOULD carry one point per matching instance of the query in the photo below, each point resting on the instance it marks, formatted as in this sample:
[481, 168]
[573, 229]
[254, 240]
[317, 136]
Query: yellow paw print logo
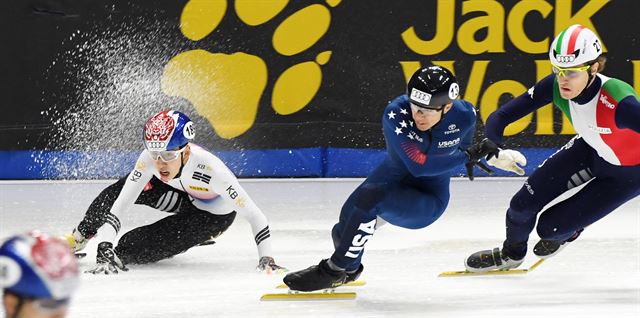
[227, 88]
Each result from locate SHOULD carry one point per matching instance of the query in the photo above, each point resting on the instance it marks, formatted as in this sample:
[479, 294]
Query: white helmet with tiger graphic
[575, 46]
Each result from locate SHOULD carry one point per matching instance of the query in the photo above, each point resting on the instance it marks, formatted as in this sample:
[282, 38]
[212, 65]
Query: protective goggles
[426, 111]
[569, 71]
[167, 155]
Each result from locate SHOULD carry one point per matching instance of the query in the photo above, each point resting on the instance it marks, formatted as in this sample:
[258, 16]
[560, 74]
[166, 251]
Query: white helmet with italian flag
[575, 46]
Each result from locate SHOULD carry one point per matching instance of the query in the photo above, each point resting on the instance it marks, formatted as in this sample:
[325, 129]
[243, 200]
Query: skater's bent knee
[523, 204]
[370, 195]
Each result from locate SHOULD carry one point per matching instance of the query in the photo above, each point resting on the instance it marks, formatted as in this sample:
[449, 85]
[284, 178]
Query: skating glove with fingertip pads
[268, 265]
[107, 261]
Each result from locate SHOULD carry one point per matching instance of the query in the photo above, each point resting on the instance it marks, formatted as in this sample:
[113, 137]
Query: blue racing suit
[410, 188]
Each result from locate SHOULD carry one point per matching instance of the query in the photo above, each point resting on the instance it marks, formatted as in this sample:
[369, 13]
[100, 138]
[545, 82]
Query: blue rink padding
[267, 163]
[348, 162]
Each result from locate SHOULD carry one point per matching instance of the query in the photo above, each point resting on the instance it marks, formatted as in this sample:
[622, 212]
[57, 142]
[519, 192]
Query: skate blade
[302, 296]
[493, 272]
[349, 284]
[205, 243]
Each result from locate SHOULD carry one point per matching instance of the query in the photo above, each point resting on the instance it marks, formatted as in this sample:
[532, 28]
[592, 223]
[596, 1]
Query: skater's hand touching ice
[268, 265]
[107, 261]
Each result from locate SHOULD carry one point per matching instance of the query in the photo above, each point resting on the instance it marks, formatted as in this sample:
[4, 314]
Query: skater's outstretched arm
[225, 183]
[537, 96]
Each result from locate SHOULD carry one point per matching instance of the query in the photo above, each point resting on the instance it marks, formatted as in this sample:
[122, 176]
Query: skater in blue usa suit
[428, 134]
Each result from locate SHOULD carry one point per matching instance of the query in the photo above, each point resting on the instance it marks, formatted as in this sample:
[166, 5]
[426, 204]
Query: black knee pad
[523, 203]
[370, 195]
[550, 231]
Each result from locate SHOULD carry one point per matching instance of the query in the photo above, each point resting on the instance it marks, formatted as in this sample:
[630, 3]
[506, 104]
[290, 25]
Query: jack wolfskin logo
[226, 89]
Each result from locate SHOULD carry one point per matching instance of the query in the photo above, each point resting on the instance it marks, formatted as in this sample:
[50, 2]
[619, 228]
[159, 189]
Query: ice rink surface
[596, 276]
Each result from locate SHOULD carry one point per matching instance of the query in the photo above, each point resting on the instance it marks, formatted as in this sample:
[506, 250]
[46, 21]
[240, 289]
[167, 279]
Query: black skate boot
[547, 248]
[353, 276]
[316, 277]
[487, 260]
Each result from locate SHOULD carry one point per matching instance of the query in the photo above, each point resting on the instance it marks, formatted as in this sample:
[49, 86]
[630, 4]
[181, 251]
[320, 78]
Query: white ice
[596, 276]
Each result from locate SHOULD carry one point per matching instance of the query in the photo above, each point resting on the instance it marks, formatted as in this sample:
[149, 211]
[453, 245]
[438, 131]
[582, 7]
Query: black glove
[268, 265]
[107, 262]
[486, 148]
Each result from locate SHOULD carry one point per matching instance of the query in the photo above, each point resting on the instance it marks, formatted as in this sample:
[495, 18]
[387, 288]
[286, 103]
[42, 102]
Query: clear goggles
[167, 155]
[569, 71]
[425, 111]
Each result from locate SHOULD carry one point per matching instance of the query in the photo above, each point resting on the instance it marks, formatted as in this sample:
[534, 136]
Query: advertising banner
[277, 88]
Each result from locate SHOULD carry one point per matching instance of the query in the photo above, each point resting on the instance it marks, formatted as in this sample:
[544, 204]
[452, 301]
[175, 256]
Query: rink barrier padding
[268, 163]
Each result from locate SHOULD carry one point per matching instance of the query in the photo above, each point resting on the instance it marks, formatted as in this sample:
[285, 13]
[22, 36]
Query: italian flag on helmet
[574, 46]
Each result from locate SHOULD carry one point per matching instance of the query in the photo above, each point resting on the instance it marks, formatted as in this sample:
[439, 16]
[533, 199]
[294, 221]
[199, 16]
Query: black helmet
[432, 87]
